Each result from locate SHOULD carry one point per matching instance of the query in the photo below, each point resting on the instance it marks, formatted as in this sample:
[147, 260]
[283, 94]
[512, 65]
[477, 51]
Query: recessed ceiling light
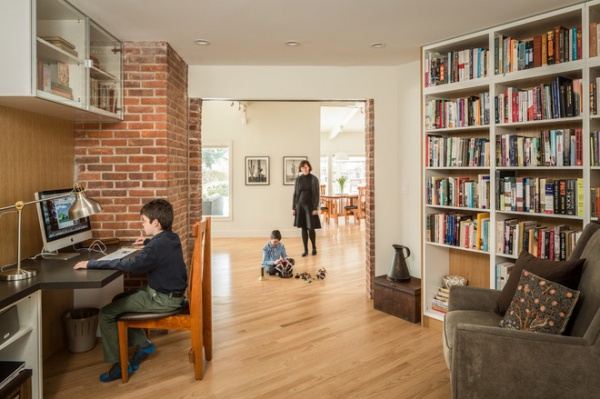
[202, 42]
[378, 45]
[292, 43]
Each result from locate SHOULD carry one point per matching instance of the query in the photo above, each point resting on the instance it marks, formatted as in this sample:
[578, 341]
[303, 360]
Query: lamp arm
[19, 205]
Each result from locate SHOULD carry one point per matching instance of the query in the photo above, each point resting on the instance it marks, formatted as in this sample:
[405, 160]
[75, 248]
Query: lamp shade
[341, 156]
[83, 206]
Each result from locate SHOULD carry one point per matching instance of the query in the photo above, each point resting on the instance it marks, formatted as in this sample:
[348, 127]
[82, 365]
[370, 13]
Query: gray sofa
[486, 361]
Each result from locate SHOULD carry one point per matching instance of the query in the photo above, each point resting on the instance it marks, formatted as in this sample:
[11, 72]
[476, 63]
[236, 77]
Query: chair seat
[184, 309]
[351, 207]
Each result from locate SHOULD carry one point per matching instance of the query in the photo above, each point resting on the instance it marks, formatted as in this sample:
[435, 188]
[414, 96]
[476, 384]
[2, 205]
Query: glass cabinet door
[105, 72]
[61, 47]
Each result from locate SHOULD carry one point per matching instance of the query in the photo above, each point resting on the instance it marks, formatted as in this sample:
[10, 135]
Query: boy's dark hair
[275, 234]
[160, 210]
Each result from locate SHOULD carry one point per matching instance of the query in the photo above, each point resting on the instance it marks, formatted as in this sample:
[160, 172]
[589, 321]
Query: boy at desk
[161, 259]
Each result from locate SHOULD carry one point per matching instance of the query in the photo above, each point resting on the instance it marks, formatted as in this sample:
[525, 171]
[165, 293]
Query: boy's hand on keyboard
[81, 265]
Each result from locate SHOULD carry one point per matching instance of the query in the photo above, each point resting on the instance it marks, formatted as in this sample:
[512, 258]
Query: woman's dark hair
[160, 210]
[305, 162]
[276, 235]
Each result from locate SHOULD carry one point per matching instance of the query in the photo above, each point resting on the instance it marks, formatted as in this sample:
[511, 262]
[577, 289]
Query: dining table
[336, 203]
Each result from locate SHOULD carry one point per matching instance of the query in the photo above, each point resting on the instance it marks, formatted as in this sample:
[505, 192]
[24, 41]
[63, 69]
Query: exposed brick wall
[370, 195]
[124, 165]
[195, 158]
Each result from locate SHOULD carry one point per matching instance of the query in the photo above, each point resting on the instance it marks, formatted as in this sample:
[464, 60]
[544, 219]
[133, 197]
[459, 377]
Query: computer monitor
[58, 231]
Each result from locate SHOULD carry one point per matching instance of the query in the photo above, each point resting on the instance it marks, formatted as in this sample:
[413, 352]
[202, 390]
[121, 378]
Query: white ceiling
[330, 32]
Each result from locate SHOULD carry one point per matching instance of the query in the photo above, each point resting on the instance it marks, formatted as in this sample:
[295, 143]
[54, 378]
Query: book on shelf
[61, 43]
[502, 272]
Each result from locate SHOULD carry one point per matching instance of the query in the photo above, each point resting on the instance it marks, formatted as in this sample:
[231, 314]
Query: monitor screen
[58, 231]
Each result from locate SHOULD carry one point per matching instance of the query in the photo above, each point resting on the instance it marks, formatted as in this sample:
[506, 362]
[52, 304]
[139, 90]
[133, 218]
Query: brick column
[370, 195]
[124, 165]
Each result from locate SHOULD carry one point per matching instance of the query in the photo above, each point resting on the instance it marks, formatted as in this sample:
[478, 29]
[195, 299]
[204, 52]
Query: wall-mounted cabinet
[59, 62]
[510, 128]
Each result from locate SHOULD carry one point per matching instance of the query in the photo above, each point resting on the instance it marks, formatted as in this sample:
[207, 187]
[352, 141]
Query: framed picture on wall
[257, 171]
[290, 169]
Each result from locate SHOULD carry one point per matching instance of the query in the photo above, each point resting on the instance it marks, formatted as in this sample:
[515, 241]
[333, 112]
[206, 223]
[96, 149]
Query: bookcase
[510, 145]
[61, 62]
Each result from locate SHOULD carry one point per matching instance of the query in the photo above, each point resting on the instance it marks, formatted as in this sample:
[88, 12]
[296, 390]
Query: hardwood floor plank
[280, 338]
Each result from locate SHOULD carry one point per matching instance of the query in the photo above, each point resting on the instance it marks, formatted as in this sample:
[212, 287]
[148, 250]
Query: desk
[26, 344]
[336, 204]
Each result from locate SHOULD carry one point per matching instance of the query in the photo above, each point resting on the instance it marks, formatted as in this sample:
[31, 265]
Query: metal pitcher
[399, 270]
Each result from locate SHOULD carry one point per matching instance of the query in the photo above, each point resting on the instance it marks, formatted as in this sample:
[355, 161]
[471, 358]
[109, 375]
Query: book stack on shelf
[459, 230]
[440, 301]
[455, 66]
[595, 202]
[103, 95]
[461, 192]
[62, 44]
[560, 99]
[456, 151]
[594, 148]
[502, 272]
[556, 46]
[539, 195]
[458, 112]
[555, 147]
[554, 243]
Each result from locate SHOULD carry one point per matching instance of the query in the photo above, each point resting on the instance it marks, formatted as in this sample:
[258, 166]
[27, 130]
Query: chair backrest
[362, 201]
[199, 281]
[323, 188]
[588, 304]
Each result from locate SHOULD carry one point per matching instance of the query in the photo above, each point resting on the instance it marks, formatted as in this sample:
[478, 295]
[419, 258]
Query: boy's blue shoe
[141, 353]
[114, 373]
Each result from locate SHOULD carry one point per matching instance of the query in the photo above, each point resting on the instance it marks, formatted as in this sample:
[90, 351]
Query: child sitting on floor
[275, 259]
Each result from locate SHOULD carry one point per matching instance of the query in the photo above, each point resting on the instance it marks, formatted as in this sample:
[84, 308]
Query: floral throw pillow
[540, 305]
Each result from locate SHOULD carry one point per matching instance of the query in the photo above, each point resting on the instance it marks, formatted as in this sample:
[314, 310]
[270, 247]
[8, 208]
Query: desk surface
[57, 274]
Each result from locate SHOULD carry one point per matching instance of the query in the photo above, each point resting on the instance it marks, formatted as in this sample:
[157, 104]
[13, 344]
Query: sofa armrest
[472, 298]
[495, 362]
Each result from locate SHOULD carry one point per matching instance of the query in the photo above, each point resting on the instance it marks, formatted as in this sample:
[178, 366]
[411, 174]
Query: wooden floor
[280, 338]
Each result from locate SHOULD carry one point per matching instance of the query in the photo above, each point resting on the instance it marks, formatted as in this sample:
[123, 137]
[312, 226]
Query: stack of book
[440, 301]
[61, 90]
[61, 43]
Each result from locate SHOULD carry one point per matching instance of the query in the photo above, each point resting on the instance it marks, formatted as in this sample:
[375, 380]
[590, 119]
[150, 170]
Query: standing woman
[305, 207]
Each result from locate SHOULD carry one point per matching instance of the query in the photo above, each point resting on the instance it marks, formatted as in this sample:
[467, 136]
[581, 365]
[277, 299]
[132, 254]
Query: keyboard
[119, 254]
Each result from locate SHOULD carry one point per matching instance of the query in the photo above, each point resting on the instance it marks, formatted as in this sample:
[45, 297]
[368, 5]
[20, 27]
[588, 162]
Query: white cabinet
[59, 62]
[25, 345]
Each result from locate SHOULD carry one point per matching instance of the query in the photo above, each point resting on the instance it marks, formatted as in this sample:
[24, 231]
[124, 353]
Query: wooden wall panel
[36, 153]
[472, 265]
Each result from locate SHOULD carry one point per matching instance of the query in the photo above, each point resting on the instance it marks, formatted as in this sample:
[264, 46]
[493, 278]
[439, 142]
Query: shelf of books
[511, 139]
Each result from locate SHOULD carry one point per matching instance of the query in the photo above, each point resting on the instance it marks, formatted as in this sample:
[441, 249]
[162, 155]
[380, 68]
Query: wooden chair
[325, 211]
[356, 209]
[195, 315]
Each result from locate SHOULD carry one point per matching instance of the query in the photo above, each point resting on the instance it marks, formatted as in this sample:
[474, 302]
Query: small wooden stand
[400, 299]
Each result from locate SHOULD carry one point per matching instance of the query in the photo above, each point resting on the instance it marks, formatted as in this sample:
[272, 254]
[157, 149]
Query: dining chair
[195, 315]
[355, 209]
[325, 211]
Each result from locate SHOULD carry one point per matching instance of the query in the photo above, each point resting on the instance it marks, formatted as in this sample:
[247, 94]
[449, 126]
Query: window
[216, 180]
[353, 170]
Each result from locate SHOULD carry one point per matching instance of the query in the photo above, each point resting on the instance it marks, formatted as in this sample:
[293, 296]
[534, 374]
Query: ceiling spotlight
[202, 42]
[378, 45]
[292, 43]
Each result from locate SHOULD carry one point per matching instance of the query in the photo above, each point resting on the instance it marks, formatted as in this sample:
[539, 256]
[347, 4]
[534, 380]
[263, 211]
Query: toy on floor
[305, 276]
[321, 274]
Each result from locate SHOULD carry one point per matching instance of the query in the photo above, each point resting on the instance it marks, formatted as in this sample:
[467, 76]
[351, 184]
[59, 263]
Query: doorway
[245, 117]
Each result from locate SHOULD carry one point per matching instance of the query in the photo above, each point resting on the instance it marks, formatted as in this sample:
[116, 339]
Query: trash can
[81, 325]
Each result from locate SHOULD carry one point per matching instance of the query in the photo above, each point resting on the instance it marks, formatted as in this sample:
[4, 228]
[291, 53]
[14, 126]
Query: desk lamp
[82, 207]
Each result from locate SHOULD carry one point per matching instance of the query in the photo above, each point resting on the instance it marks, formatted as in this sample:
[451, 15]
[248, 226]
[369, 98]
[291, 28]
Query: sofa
[487, 361]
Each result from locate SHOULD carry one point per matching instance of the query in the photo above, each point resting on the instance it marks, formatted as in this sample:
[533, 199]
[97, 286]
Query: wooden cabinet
[509, 117]
[59, 62]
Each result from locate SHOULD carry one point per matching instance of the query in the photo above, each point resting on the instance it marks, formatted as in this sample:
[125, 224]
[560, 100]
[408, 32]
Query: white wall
[395, 91]
[273, 129]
